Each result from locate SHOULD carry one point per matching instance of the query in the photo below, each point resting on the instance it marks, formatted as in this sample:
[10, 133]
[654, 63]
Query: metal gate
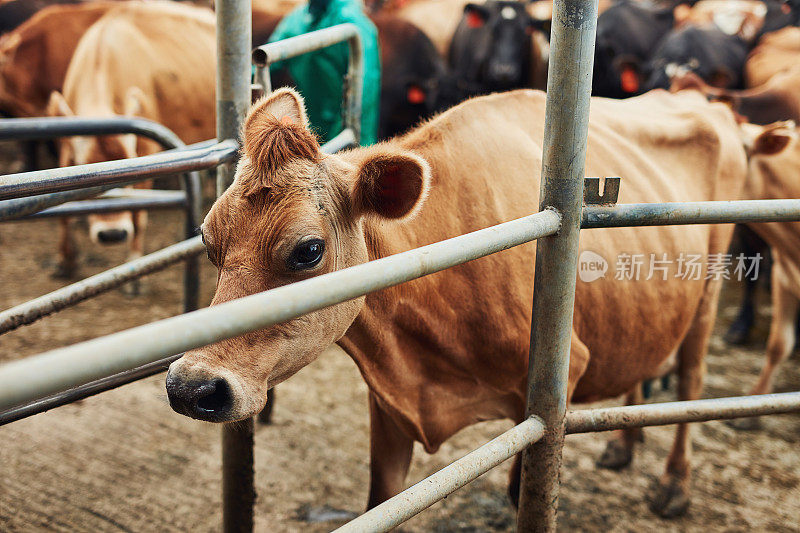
[67, 371]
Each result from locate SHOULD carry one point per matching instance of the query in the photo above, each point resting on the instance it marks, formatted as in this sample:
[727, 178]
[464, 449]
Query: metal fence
[75, 370]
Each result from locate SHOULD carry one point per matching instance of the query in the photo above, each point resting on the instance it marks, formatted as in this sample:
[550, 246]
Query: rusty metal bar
[234, 29]
[167, 200]
[57, 370]
[674, 213]
[433, 488]
[84, 391]
[661, 414]
[124, 171]
[563, 158]
[32, 310]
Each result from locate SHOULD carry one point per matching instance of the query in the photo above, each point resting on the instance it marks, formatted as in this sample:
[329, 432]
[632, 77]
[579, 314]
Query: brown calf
[449, 350]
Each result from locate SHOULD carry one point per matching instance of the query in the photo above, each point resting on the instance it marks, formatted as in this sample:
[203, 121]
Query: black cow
[628, 33]
[779, 15]
[415, 82]
[718, 58]
[492, 48]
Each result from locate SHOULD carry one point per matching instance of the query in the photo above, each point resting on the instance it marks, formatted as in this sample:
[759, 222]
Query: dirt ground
[123, 461]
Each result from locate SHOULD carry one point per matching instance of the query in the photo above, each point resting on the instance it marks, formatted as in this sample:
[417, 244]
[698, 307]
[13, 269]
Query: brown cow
[150, 59]
[776, 175]
[776, 52]
[776, 100]
[449, 350]
[34, 57]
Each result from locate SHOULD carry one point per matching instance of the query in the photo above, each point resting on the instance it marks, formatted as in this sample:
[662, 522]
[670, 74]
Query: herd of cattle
[449, 350]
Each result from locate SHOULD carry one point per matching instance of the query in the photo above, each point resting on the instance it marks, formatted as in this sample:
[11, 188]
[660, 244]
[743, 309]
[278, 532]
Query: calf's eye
[306, 255]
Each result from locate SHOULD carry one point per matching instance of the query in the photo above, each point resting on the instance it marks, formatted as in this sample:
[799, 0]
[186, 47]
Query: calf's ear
[58, 106]
[391, 184]
[275, 132]
[283, 105]
[774, 139]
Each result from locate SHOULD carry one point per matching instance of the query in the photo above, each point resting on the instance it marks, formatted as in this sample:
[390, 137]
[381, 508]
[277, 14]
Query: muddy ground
[123, 461]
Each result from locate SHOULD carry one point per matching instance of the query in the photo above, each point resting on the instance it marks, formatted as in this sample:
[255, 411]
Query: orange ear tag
[415, 95]
[629, 80]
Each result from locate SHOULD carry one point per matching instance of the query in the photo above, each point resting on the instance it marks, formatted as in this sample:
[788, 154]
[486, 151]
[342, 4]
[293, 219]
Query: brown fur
[269, 145]
[449, 350]
[134, 61]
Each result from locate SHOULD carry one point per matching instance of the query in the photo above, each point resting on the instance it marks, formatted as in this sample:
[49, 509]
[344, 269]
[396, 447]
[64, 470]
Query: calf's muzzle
[209, 399]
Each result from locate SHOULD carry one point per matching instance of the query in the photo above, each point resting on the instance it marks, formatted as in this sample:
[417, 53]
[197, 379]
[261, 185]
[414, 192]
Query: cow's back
[167, 50]
[34, 57]
[454, 345]
[777, 52]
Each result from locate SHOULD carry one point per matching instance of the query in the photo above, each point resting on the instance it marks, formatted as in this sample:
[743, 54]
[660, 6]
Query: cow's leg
[619, 449]
[751, 244]
[781, 339]
[670, 495]
[390, 452]
[578, 361]
[134, 288]
[67, 265]
[265, 416]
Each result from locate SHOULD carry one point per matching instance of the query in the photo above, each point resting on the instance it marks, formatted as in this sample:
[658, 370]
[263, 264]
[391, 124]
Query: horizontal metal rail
[32, 310]
[124, 171]
[433, 488]
[267, 54]
[168, 200]
[678, 213]
[84, 391]
[662, 414]
[345, 139]
[24, 129]
[52, 127]
[48, 373]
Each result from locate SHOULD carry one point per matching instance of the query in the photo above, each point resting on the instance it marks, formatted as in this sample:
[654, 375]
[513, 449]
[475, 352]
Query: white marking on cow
[508, 13]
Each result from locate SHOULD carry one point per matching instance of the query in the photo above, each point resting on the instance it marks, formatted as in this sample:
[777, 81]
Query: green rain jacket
[319, 75]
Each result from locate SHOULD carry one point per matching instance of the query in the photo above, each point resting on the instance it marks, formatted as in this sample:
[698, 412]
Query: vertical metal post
[192, 214]
[354, 87]
[234, 29]
[563, 159]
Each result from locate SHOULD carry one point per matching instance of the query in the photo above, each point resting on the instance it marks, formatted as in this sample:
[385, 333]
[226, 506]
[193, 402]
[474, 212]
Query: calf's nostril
[214, 396]
[109, 236]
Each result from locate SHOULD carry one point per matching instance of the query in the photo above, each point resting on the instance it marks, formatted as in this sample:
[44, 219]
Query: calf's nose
[210, 400]
[111, 236]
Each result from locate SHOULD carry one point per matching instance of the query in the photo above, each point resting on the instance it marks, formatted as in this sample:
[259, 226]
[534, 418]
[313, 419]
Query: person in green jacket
[320, 75]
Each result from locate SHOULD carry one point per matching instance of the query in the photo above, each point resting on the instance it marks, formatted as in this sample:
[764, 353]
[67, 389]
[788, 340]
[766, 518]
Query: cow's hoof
[616, 455]
[64, 271]
[745, 424]
[669, 499]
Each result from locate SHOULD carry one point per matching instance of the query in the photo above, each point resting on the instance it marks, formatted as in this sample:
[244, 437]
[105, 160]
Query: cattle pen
[44, 381]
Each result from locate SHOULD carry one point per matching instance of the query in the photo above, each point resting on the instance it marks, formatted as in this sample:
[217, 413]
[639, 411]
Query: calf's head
[290, 214]
[106, 228]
